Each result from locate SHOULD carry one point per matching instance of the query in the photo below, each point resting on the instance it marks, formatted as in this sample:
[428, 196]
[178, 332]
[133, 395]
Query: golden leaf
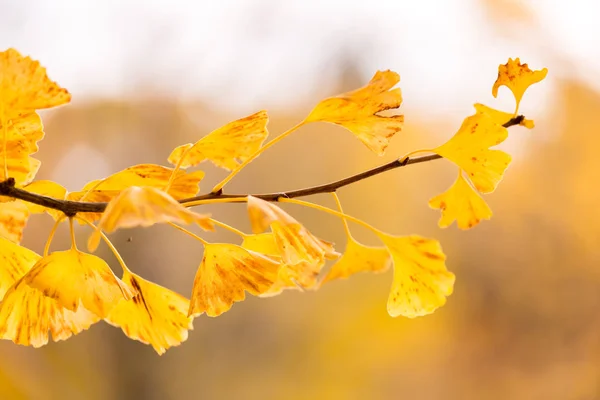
[501, 117]
[71, 277]
[228, 146]
[155, 315]
[359, 258]
[13, 218]
[24, 85]
[225, 273]
[21, 134]
[264, 243]
[144, 206]
[26, 315]
[357, 111]
[48, 189]
[517, 77]
[184, 185]
[469, 148]
[421, 280]
[462, 204]
[297, 246]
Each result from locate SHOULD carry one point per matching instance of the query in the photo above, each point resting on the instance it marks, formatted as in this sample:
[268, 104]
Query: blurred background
[146, 76]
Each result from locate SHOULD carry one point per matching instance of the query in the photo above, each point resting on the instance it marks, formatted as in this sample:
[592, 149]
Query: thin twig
[71, 208]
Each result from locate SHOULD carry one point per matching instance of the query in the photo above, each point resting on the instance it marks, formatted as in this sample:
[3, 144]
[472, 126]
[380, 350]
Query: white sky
[246, 55]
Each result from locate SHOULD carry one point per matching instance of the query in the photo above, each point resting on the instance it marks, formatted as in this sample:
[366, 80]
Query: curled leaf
[155, 315]
[469, 148]
[227, 146]
[462, 204]
[225, 273]
[359, 258]
[72, 277]
[501, 117]
[357, 111]
[421, 280]
[144, 206]
[517, 77]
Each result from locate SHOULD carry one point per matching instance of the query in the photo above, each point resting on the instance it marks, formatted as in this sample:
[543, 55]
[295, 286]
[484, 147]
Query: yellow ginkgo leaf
[359, 258]
[421, 280]
[501, 117]
[517, 77]
[48, 189]
[21, 131]
[226, 272]
[461, 203]
[144, 206]
[357, 111]
[469, 148]
[72, 277]
[155, 315]
[228, 146]
[15, 261]
[13, 218]
[297, 246]
[265, 243]
[26, 315]
[24, 85]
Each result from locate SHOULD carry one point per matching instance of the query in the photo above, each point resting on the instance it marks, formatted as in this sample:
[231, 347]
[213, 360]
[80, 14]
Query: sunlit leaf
[226, 272]
[461, 203]
[501, 117]
[24, 85]
[155, 315]
[357, 111]
[469, 148]
[26, 315]
[517, 77]
[421, 280]
[297, 246]
[359, 258]
[71, 277]
[227, 146]
[144, 206]
[13, 218]
[22, 131]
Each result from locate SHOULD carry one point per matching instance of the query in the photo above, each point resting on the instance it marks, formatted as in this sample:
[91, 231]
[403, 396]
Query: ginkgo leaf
[155, 315]
[265, 243]
[48, 189]
[26, 315]
[469, 148]
[297, 246]
[25, 86]
[13, 218]
[357, 111]
[228, 146]
[144, 206]
[461, 203]
[359, 258]
[226, 272]
[71, 277]
[21, 133]
[421, 280]
[501, 117]
[517, 77]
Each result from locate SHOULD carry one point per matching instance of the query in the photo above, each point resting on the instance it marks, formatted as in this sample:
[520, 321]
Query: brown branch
[71, 208]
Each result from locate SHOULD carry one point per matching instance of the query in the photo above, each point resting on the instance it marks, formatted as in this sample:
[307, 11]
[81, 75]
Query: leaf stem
[339, 206]
[228, 227]
[72, 230]
[110, 244]
[190, 233]
[218, 187]
[51, 235]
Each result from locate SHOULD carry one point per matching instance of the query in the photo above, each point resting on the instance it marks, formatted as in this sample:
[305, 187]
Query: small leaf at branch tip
[461, 203]
[228, 146]
[517, 77]
[421, 281]
[357, 111]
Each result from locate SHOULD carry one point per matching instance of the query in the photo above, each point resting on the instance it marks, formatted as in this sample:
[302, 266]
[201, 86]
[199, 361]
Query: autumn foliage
[62, 293]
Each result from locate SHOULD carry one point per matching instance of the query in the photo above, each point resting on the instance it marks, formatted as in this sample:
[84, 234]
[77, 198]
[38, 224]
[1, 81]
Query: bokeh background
[146, 76]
